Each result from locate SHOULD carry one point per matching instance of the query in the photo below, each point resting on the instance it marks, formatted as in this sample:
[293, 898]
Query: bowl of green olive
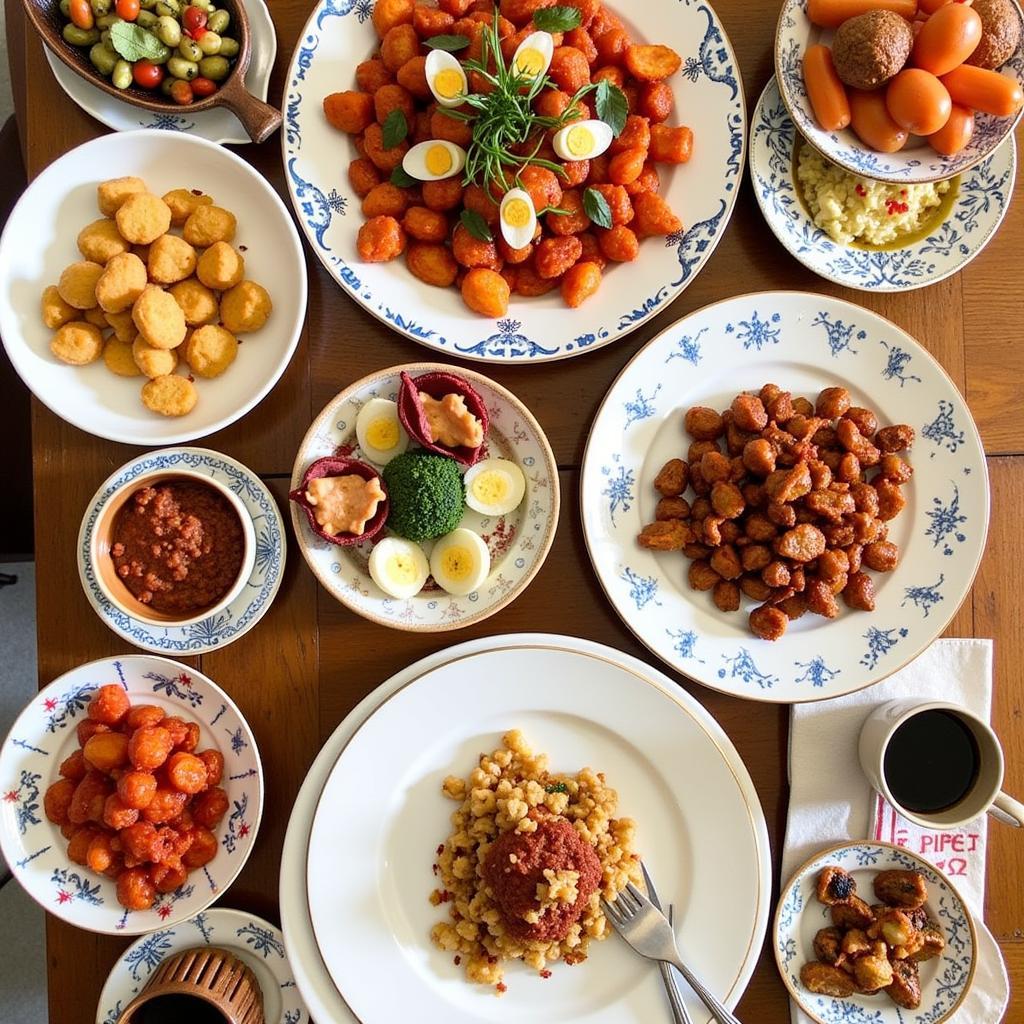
[157, 54]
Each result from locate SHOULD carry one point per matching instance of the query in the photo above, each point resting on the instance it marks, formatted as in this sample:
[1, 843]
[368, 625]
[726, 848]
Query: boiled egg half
[399, 567]
[434, 160]
[446, 78]
[533, 55]
[379, 432]
[582, 140]
[460, 562]
[517, 217]
[495, 487]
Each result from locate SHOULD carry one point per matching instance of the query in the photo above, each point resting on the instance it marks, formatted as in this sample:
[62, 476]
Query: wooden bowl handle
[259, 119]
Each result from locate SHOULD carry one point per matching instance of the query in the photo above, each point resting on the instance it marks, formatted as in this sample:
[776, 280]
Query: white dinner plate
[804, 343]
[708, 98]
[39, 241]
[653, 741]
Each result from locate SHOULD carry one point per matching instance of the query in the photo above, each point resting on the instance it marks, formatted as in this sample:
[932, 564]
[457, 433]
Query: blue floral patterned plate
[254, 941]
[983, 197]
[945, 980]
[247, 609]
[708, 98]
[44, 735]
[804, 343]
[917, 161]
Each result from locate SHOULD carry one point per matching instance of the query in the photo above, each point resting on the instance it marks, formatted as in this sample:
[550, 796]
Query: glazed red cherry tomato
[193, 18]
[181, 92]
[81, 14]
[128, 9]
[202, 87]
[147, 75]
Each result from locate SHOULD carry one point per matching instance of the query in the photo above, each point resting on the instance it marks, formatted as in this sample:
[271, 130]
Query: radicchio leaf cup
[337, 465]
[414, 419]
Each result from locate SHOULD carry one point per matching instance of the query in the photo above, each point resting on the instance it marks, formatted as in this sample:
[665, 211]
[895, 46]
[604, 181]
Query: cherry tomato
[181, 92]
[918, 101]
[947, 39]
[872, 123]
[956, 133]
[196, 33]
[128, 9]
[81, 13]
[147, 75]
[202, 87]
[193, 18]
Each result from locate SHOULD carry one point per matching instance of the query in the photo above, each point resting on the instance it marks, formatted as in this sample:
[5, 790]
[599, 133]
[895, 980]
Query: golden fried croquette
[170, 395]
[121, 283]
[171, 259]
[245, 307]
[197, 302]
[77, 343]
[123, 324]
[209, 224]
[96, 317]
[221, 267]
[183, 202]
[159, 318]
[118, 357]
[210, 350]
[111, 194]
[77, 284]
[100, 240]
[142, 218]
[153, 362]
[56, 312]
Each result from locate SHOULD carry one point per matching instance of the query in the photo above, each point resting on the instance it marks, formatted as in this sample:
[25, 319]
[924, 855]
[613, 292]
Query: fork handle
[718, 1011]
[679, 1012]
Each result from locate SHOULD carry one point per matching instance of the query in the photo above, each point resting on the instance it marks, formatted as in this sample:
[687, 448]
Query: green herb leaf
[447, 43]
[402, 178]
[396, 128]
[134, 43]
[612, 106]
[474, 223]
[556, 787]
[596, 207]
[557, 19]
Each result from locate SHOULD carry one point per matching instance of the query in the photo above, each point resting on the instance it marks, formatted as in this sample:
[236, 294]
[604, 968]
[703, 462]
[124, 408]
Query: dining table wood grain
[310, 660]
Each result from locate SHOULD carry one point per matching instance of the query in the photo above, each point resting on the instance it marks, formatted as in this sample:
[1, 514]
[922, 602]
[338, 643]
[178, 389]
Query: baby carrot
[832, 13]
[826, 92]
[956, 132]
[984, 90]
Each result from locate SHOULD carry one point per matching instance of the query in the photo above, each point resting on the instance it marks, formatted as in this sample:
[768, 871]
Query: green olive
[209, 43]
[65, 8]
[166, 8]
[165, 85]
[163, 55]
[80, 36]
[100, 7]
[105, 38]
[108, 21]
[203, 5]
[181, 68]
[228, 47]
[168, 30]
[147, 5]
[103, 60]
[218, 21]
[147, 19]
[190, 50]
[122, 75]
[214, 68]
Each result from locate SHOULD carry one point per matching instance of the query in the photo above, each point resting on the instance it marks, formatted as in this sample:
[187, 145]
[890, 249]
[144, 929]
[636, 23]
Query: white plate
[649, 737]
[804, 343]
[254, 941]
[709, 98]
[217, 125]
[983, 197]
[44, 735]
[945, 980]
[518, 542]
[251, 604]
[39, 241]
[917, 161]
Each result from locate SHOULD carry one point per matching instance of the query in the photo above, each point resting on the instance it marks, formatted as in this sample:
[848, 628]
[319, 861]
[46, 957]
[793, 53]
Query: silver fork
[679, 1011]
[645, 928]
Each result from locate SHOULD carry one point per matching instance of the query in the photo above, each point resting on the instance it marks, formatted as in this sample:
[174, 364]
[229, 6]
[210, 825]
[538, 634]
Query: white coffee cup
[985, 793]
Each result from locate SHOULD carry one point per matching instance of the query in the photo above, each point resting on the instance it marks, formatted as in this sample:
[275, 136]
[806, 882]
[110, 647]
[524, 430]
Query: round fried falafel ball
[1000, 34]
[871, 48]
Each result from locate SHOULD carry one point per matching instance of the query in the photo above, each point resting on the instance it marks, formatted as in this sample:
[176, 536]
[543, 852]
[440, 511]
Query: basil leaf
[402, 178]
[396, 128]
[134, 43]
[474, 223]
[612, 106]
[447, 43]
[596, 207]
[557, 19]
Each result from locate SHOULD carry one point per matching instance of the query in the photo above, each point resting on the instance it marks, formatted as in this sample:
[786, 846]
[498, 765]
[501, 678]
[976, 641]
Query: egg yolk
[448, 83]
[438, 160]
[490, 488]
[516, 213]
[458, 563]
[579, 141]
[530, 62]
[402, 569]
[383, 434]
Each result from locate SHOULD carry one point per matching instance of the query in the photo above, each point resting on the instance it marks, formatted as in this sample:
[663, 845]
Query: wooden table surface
[310, 660]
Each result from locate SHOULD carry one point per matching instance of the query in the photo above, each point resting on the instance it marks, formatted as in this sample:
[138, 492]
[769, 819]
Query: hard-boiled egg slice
[460, 562]
[582, 140]
[533, 55]
[399, 567]
[434, 160]
[495, 487]
[446, 78]
[379, 432]
[517, 217]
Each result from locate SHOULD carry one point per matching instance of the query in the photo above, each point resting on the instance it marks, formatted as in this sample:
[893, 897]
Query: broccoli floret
[427, 495]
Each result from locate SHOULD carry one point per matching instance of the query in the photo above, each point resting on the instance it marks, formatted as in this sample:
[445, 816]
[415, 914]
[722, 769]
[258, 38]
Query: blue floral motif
[266, 549]
[508, 342]
[68, 705]
[619, 488]
[895, 364]
[642, 407]
[880, 643]
[169, 123]
[314, 205]
[816, 672]
[644, 309]
[204, 929]
[925, 596]
[840, 334]
[237, 828]
[291, 1017]
[26, 799]
[713, 58]
[688, 348]
[338, 9]
[114, 1013]
[411, 326]
[693, 244]
[685, 642]
[741, 666]
[642, 589]
[73, 886]
[946, 520]
[28, 746]
[755, 332]
[179, 686]
[981, 191]
[363, 9]
[337, 202]
[148, 954]
[586, 340]
[942, 430]
[866, 855]
[262, 940]
[238, 743]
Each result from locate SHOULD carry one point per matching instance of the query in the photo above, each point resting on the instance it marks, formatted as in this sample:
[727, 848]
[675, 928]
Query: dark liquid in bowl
[932, 762]
[178, 1009]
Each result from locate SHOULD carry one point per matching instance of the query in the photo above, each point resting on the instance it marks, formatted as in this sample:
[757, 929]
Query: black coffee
[932, 762]
[178, 1009]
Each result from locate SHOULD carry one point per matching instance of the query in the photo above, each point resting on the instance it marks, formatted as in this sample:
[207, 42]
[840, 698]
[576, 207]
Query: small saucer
[217, 125]
[247, 609]
[256, 942]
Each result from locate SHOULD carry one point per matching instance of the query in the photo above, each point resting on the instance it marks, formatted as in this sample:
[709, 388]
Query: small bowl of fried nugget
[159, 294]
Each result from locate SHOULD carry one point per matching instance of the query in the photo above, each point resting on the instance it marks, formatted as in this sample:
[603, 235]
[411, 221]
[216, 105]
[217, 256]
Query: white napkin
[831, 800]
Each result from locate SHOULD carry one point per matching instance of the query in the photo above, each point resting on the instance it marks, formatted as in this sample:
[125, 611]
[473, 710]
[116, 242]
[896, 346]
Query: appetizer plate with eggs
[425, 498]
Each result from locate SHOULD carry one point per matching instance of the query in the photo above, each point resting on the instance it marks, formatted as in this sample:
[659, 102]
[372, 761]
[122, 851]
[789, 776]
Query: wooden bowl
[259, 119]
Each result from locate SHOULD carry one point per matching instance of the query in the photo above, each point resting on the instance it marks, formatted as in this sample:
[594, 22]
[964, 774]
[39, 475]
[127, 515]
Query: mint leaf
[612, 106]
[402, 178]
[447, 43]
[596, 207]
[557, 19]
[396, 128]
[134, 43]
[474, 223]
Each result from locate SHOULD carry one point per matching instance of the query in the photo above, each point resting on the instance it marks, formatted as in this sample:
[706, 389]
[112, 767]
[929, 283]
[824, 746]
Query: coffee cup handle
[1011, 811]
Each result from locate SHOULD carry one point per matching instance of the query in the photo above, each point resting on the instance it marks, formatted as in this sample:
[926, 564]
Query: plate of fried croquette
[134, 270]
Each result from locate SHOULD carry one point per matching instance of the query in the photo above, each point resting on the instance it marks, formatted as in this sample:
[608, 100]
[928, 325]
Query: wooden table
[310, 660]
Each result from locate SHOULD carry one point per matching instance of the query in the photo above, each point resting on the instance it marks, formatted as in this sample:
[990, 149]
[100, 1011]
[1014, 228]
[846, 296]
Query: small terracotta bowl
[103, 565]
[210, 975]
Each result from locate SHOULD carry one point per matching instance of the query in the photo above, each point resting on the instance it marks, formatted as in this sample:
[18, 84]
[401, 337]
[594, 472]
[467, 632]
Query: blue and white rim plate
[252, 603]
[804, 343]
[217, 125]
[945, 980]
[917, 161]
[44, 734]
[518, 542]
[254, 941]
[983, 197]
[709, 98]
